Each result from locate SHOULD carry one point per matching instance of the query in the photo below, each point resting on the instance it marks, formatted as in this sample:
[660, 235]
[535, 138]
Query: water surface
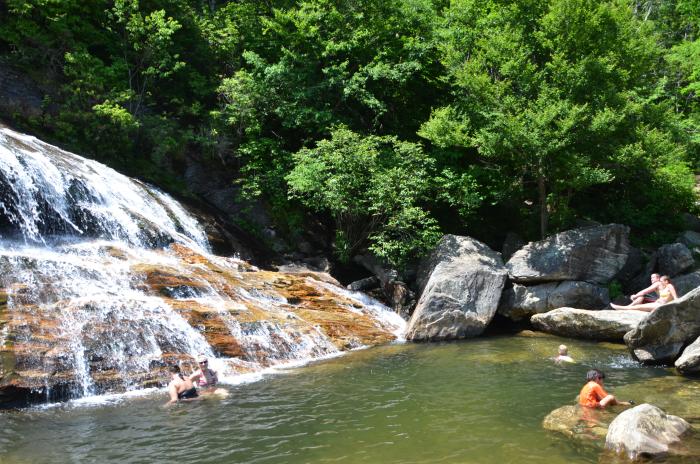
[477, 401]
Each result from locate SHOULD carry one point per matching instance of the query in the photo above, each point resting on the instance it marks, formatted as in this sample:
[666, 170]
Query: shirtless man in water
[180, 387]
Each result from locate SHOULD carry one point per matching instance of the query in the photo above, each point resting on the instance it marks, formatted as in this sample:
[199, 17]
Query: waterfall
[104, 280]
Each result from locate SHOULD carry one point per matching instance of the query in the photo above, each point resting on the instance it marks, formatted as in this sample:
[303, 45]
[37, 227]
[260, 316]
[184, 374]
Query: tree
[551, 95]
[372, 186]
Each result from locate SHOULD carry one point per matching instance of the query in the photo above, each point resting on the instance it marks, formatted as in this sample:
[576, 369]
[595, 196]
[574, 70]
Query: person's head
[665, 279]
[174, 370]
[563, 350]
[202, 361]
[655, 278]
[594, 375]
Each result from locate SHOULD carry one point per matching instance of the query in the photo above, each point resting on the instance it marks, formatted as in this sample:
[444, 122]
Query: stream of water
[477, 401]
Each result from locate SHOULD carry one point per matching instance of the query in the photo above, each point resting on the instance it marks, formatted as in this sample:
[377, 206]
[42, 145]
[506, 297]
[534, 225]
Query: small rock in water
[645, 431]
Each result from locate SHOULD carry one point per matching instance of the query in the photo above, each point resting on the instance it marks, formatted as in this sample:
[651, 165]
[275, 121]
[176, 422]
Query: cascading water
[104, 280]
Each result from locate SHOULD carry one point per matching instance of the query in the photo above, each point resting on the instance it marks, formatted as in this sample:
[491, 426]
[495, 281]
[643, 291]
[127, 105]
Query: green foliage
[372, 186]
[614, 289]
[397, 119]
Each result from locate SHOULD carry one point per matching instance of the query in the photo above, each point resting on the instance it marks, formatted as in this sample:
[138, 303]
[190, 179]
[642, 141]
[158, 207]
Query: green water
[478, 401]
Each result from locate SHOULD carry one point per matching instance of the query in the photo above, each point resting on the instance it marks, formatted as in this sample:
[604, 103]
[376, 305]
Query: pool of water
[477, 401]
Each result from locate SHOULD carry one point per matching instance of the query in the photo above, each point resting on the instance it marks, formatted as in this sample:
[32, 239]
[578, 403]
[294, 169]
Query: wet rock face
[661, 336]
[463, 283]
[593, 254]
[596, 325]
[52, 347]
[645, 431]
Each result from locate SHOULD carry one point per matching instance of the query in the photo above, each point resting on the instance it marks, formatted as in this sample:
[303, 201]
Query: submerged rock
[579, 423]
[593, 254]
[464, 283]
[520, 302]
[645, 431]
[596, 325]
[661, 336]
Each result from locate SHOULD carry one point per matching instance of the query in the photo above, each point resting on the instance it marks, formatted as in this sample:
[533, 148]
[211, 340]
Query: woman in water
[204, 376]
[667, 293]
[180, 388]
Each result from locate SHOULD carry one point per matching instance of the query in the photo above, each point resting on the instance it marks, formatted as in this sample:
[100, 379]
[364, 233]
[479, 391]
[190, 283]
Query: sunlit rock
[595, 325]
[593, 254]
[645, 431]
[689, 361]
[520, 302]
[661, 336]
[464, 279]
[580, 423]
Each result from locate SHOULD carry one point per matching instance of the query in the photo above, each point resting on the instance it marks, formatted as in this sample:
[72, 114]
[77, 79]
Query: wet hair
[174, 369]
[593, 375]
[563, 350]
[658, 276]
[666, 278]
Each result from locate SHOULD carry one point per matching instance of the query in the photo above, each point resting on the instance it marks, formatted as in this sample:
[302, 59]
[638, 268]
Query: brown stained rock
[216, 332]
[288, 307]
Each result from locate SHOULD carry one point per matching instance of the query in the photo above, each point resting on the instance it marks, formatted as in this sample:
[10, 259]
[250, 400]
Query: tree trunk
[544, 217]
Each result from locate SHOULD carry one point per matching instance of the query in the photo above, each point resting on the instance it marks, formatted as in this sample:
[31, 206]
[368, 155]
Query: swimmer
[563, 355]
[207, 379]
[180, 388]
[593, 395]
[204, 377]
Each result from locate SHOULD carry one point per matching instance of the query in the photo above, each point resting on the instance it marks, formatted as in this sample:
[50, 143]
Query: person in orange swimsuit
[593, 395]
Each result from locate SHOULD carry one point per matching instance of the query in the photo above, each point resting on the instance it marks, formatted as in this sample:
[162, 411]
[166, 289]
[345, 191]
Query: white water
[72, 231]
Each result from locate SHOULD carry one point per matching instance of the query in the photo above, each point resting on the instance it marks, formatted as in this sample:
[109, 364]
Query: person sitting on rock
[204, 377]
[563, 355]
[649, 294]
[593, 395]
[666, 290]
[180, 388]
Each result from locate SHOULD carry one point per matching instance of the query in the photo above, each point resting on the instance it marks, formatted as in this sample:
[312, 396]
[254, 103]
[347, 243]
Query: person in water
[563, 355]
[180, 387]
[593, 395]
[204, 377]
[667, 293]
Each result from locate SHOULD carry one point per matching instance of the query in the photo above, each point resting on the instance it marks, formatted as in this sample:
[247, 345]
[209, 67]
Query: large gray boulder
[686, 283]
[674, 258]
[661, 336]
[645, 431]
[689, 238]
[581, 323]
[689, 361]
[521, 302]
[593, 254]
[461, 293]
